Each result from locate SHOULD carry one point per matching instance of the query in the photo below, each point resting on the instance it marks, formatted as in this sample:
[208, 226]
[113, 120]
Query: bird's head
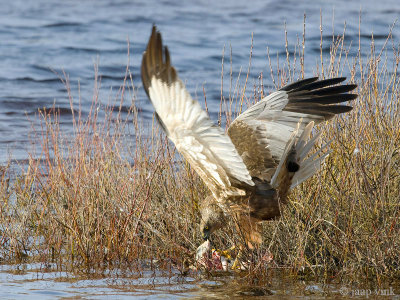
[212, 217]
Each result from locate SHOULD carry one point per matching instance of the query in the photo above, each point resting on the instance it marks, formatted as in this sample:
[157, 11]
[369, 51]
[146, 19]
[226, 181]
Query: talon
[228, 252]
[236, 263]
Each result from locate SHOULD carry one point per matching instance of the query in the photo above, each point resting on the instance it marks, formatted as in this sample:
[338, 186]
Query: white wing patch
[206, 147]
[273, 102]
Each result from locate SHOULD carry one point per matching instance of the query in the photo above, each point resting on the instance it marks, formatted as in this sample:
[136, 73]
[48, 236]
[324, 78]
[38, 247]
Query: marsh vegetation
[115, 194]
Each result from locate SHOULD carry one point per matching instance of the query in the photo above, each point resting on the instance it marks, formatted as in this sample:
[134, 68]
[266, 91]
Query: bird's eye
[206, 228]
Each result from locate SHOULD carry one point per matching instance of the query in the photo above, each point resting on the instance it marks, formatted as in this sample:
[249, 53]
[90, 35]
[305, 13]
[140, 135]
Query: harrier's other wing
[261, 133]
[205, 146]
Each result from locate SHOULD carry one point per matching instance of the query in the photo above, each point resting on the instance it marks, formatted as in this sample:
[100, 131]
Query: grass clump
[92, 203]
[99, 198]
[343, 222]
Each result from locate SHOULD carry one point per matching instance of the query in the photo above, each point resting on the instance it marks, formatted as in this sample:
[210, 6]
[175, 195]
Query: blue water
[39, 40]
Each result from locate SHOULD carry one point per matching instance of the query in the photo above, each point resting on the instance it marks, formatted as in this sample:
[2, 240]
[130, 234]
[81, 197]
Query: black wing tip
[325, 111]
[155, 34]
[347, 108]
[298, 84]
[156, 61]
[152, 59]
[320, 97]
[312, 83]
[351, 86]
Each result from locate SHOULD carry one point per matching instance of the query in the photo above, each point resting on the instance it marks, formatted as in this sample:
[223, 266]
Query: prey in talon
[265, 152]
[212, 259]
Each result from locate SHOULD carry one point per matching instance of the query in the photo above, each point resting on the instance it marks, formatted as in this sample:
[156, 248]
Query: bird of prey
[264, 154]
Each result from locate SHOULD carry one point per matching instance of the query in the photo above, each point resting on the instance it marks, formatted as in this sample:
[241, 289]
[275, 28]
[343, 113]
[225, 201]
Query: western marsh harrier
[264, 154]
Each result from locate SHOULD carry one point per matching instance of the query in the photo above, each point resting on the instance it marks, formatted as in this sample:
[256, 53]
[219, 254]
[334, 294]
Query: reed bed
[98, 199]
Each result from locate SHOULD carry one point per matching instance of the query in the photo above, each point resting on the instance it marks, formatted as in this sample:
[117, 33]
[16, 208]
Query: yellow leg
[236, 263]
[228, 252]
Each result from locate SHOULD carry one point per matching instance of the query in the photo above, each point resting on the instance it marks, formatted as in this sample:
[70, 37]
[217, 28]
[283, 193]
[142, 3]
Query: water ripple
[41, 41]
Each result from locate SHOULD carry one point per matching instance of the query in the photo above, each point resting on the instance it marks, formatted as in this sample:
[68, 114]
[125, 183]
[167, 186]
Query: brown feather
[250, 230]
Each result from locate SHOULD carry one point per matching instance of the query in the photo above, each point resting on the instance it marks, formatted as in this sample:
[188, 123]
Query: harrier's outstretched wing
[205, 146]
[261, 133]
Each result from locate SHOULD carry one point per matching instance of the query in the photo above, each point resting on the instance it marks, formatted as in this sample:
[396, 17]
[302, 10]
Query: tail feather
[281, 172]
[306, 149]
[318, 153]
[301, 142]
[308, 169]
[308, 166]
[296, 152]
